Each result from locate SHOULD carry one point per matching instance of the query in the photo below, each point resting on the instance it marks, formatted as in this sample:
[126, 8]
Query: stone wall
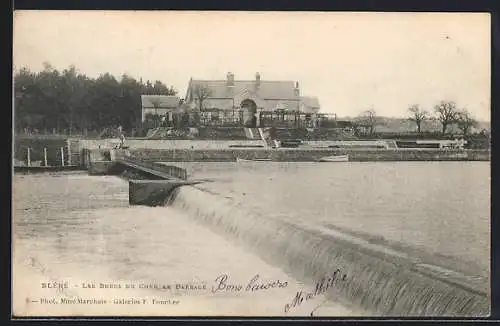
[301, 155]
[170, 144]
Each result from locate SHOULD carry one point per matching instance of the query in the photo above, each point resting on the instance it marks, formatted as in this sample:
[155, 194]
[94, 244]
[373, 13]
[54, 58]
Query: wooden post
[29, 156]
[45, 156]
[62, 156]
[68, 145]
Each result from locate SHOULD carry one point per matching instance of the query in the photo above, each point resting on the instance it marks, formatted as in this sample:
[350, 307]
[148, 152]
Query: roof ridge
[159, 95]
[208, 80]
[244, 80]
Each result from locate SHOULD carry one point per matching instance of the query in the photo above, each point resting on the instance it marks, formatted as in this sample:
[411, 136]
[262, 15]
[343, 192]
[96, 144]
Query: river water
[80, 229]
[442, 208]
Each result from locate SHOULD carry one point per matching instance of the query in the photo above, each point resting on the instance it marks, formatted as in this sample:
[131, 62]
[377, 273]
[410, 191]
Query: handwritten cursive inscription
[222, 284]
[321, 287]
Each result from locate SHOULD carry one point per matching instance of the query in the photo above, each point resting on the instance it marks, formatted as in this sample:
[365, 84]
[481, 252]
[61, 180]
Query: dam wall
[308, 155]
[384, 282]
[228, 151]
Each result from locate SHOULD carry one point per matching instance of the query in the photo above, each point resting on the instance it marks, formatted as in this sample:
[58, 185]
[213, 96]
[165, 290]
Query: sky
[351, 61]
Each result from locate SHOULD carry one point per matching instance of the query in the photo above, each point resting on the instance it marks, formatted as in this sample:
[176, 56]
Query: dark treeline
[67, 101]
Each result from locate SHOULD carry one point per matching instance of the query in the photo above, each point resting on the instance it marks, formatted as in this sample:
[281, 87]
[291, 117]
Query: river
[440, 207]
[78, 227]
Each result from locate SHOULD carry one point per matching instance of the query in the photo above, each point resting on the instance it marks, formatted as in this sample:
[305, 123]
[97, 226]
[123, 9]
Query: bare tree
[368, 119]
[201, 93]
[465, 121]
[417, 115]
[156, 102]
[446, 114]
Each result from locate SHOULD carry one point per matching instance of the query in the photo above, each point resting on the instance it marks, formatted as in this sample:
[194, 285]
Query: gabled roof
[310, 101]
[267, 90]
[159, 101]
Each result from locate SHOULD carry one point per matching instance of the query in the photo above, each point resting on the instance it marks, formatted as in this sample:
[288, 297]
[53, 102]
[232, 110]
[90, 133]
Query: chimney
[257, 79]
[230, 79]
[297, 89]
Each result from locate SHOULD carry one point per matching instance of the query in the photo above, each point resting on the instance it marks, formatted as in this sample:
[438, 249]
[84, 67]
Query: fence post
[29, 156]
[68, 145]
[62, 156]
[45, 156]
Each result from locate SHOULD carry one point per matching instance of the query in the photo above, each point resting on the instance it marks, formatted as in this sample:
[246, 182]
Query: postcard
[244, 164]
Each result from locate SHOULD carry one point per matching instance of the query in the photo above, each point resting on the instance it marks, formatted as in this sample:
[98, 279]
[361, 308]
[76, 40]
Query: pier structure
[156, 183]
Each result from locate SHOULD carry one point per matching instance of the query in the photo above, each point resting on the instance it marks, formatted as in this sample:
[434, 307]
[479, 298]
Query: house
[158, 105]
[249, 98]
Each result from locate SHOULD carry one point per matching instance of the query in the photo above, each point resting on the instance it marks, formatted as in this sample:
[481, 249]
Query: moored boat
[335, 158]
[254, 160]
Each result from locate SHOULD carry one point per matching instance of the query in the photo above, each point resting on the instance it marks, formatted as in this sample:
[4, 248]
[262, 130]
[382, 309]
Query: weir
[381, 280]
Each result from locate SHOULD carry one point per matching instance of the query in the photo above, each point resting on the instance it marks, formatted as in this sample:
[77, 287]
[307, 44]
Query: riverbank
[310, 155]
[72, 151]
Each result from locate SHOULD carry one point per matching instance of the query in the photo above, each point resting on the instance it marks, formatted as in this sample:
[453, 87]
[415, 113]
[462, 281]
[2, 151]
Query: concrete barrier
[104, 168]
[154, 192]
[116, 161]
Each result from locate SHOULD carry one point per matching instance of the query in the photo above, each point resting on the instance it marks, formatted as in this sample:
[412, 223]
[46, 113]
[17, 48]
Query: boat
[335, 158]
[254, 160]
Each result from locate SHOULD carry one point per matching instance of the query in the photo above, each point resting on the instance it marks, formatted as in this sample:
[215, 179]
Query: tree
[72, 92]
[446, 114]
[69, 100]
[417, 115]
[368, 119]
[465, 121]
[201, 93]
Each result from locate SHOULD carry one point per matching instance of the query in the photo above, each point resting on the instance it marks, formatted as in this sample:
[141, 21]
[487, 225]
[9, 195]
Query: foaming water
[80, 228]
[375, 279]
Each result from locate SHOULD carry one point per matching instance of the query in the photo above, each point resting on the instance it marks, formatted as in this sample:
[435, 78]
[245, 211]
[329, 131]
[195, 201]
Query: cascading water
[380, 282]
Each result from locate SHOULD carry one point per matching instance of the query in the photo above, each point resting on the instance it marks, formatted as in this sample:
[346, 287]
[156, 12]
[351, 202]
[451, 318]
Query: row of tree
[71, 102]
[446, 113]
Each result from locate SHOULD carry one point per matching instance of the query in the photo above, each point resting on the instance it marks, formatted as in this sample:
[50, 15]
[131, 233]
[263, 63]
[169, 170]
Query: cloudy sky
[351, 61]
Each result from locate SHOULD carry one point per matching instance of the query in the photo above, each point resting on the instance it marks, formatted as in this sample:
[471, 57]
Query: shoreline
[308, 155]
[76, 151]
